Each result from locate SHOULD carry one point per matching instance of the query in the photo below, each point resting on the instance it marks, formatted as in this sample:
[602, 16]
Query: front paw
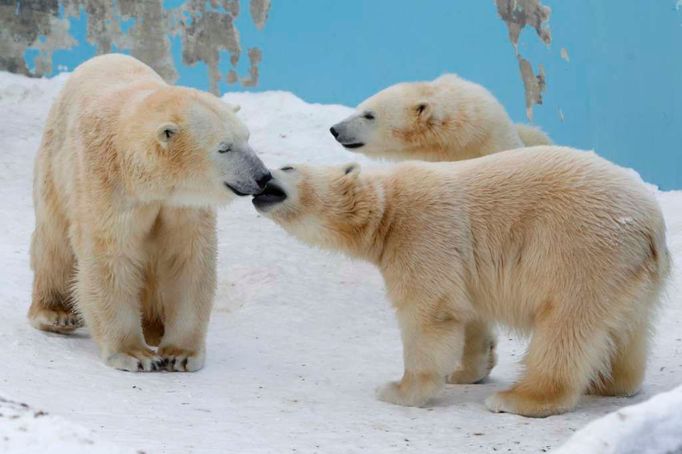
[56, 320]
[398, 394]
[181, 360]
[135, 360]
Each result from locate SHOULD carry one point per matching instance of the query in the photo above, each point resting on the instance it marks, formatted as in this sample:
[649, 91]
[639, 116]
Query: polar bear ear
[235, 107]
[423, 109]
[446, 78]
[352, 169]
[166, 132]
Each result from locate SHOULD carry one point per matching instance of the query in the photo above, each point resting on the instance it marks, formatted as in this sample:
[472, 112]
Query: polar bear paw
[136, 360]
[398, 394]
[181, 360]
[55, 320]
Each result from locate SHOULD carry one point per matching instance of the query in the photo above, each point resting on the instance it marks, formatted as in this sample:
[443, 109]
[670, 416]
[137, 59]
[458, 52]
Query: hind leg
[564, 353]
[53, 264]
[628, 364]
[480, 356]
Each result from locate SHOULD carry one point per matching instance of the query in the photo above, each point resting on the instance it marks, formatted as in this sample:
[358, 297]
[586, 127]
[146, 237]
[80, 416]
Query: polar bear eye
[286, 169]
[368, 115]
[225, 149]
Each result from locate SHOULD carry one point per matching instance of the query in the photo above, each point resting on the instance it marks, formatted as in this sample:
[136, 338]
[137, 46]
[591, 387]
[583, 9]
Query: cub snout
[272, 194]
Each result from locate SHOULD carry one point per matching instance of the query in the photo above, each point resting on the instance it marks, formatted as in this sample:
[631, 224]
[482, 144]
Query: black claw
[140, 366]
[184, 364]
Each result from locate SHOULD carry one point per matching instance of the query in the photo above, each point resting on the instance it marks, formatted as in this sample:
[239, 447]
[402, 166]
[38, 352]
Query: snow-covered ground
[298, 341]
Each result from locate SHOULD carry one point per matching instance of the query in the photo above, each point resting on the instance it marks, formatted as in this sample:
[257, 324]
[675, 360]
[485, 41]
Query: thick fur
[447, 119]
[125, 239]
[532, 135]
[549, 241]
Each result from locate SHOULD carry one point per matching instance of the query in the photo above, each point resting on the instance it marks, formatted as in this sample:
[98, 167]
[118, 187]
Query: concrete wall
[594, 73]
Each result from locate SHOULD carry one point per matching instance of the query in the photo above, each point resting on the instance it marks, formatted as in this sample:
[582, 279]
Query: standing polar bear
[127, 173]
[550, 241]
[447, 119]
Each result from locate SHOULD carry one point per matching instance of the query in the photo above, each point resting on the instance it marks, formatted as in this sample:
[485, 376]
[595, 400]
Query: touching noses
[263, 180]
[334, 132]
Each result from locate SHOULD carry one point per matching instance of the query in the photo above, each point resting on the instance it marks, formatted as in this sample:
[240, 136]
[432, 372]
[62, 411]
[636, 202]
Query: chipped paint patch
[255, 57]
[564, 54]
[518, 14]
[521, 13]
[259, 10]
[533, 84]
[143, 29]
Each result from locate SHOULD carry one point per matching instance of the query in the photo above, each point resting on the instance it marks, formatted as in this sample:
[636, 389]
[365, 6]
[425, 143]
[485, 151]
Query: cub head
[187, 147]
[318, 205]
[415, 120]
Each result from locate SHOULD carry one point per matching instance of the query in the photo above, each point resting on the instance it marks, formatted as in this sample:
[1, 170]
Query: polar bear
[550, 241]
[126, 180]
[447, 119]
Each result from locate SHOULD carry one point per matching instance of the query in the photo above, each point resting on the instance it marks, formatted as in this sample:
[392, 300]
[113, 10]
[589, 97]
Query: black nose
[334, 132]
[263, 180]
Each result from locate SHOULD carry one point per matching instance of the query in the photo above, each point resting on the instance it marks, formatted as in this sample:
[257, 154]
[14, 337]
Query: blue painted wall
[620, 93]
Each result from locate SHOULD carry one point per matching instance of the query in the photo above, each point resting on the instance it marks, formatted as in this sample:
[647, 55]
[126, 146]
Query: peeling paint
[255, 57]
[564, 54]
[533, 84]
[259, 12]
[518, 14]
[144, 29]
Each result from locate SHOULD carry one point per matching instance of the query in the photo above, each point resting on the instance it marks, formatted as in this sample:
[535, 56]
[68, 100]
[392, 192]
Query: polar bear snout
[242, 171]
[348, 132]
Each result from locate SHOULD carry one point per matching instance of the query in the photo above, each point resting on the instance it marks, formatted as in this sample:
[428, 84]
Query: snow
[298, 341]
[654, 426]
[26, 430]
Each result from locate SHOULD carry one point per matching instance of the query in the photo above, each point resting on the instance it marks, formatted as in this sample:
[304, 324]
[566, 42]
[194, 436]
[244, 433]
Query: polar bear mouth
[271, 195]
[353, 145]
[235, 190]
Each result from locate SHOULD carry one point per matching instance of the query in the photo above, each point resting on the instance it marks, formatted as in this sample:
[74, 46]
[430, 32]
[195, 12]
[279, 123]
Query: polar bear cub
[551, 241]
[447, 119]
[126, 178]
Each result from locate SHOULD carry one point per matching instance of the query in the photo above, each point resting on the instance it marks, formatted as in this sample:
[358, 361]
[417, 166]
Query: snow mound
[652, 427]
[24, 430]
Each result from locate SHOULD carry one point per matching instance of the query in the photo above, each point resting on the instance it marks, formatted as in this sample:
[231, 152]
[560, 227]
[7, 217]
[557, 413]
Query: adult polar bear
[545, 240]
[447, 119]
[127, 173]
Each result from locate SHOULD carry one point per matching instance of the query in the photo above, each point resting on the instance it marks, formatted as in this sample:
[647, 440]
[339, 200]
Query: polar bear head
[446, 119]
[187, 147]
[323, 206]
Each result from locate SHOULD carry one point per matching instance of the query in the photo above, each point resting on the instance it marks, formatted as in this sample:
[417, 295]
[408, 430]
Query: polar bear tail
[532, 135]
